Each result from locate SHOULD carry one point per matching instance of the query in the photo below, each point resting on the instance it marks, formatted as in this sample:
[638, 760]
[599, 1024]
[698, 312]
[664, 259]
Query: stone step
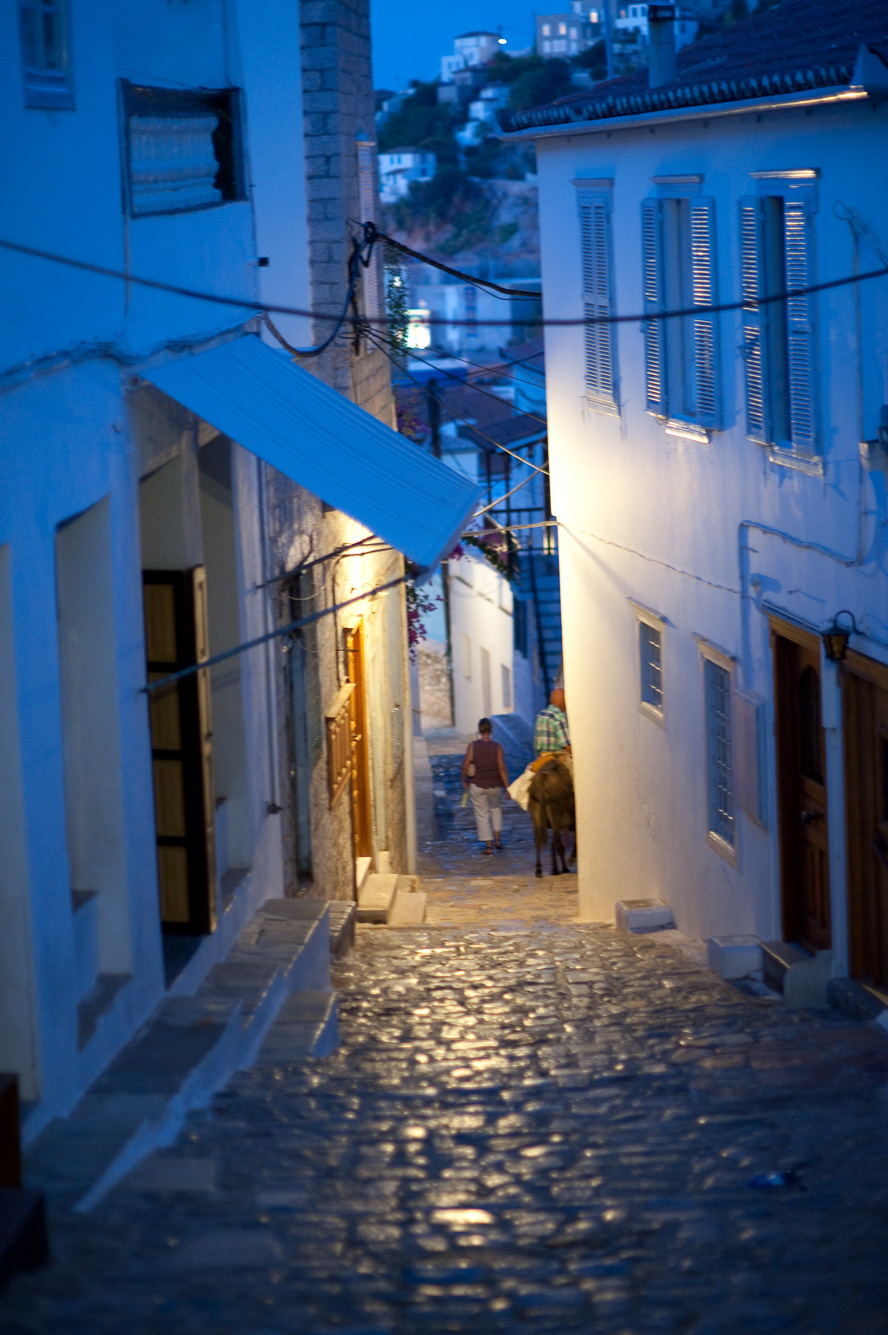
[375, 897]
[643, 915]
[306, 1026]
[777, 958]
[409, 905]
[362, 871]
[186, 1051]
[343, 916]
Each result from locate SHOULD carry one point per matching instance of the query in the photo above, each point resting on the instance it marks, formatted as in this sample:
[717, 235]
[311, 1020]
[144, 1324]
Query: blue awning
[325, 443]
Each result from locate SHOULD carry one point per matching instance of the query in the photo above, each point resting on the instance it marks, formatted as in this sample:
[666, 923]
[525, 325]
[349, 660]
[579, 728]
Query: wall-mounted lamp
[835, 637]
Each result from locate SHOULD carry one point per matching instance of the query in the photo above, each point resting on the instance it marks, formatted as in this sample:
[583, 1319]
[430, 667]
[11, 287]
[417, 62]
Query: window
[681, 355]
[547, 30]
[562, 29]
[779, 338]
[650, 630]
[595, 251]
[182, 149]
[717, 692]
[519, 627]
[46, 63]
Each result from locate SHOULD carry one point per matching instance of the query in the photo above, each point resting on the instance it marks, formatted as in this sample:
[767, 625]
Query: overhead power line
[445, 268]
[362, 322]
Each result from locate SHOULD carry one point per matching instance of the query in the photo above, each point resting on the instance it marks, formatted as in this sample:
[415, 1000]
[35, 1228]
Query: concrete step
[375, 897]
[186, 1051]
[777, 958]
[343, 916]
[306, 1026]
[643, 915]
[408, 907]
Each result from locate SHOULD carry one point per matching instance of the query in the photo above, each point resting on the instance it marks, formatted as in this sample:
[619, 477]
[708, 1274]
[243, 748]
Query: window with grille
[650, 653]
[719, 761]
[650, 631]
[779, 336]
[46, 61]
[182, 149]
[597, 282]
[679, 273]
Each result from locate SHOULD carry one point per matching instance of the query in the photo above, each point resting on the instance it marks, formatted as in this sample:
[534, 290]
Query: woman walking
[484, 775]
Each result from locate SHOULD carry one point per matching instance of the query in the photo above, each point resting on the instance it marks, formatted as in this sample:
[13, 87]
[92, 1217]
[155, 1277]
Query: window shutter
[600, 378]
[652, 286]
[704, 288]
[754, 318]
[799, 326]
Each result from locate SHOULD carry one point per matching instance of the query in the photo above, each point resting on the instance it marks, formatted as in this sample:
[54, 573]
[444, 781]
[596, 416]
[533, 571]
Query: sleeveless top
[486, 757]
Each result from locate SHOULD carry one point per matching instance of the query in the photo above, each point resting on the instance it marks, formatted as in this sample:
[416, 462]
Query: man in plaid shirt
[550, 731]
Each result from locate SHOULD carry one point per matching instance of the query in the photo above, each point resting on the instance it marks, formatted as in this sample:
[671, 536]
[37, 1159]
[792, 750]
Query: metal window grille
[719, 761]
[650, 648]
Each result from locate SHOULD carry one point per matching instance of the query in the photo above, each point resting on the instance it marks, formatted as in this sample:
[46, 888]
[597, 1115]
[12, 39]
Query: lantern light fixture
[835, 637]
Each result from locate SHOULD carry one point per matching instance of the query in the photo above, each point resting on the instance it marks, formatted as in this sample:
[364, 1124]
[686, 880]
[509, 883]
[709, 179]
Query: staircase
[540, 588]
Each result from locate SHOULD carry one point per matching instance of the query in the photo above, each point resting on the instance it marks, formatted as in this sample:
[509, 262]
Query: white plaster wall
[74, 415]
[665, 521]
[480, 613]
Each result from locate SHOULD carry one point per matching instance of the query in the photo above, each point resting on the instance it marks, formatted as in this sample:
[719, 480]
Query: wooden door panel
[181, 749]
[802, 795]
[363, 829]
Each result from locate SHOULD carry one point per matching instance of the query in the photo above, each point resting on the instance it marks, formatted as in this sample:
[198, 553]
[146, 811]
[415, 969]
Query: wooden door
[865, 693]
[801, 784]
[181, 749]
[354, 658]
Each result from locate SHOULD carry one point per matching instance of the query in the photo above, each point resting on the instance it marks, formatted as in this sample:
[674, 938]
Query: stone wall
[338, 111]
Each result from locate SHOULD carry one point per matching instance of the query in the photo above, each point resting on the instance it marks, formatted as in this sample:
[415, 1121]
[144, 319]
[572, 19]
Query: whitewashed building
[719, 478]
[144, 527]
[470, 51]
[398, 170]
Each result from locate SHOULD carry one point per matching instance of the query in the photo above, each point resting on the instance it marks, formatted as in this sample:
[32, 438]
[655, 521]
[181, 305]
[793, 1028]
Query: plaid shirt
[550, 731]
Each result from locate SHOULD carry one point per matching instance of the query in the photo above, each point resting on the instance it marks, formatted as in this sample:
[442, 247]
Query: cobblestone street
[531, 1125]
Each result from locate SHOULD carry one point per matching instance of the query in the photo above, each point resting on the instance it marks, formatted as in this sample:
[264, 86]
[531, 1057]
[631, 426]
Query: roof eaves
[713, 96]
[688, 110]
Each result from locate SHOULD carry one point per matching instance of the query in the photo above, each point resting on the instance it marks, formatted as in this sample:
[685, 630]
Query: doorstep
[189, 1049]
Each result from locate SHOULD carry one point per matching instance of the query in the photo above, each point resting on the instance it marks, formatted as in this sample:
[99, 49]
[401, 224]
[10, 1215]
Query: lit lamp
[835, 637]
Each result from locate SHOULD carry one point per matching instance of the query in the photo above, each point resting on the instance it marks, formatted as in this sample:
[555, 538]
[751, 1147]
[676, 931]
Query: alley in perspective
[531, 1124]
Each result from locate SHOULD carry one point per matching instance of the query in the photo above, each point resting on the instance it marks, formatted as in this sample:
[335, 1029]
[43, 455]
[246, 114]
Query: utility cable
[299, 624]
[355, 259]
[440, 370]
[566, 322]
[449, 411]
[445, 268]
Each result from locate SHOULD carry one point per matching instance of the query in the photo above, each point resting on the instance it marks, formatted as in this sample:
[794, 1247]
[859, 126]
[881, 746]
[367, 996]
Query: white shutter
[652, 288]
[799, 326]
[599, 336]
[754, 319]
[703, 287]
[366, 151]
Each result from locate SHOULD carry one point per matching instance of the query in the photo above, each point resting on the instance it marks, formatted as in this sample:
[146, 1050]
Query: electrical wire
[355, 260]
[449, 411]
[439, 370]
[487, 284]
[364, 321]
[299, 624]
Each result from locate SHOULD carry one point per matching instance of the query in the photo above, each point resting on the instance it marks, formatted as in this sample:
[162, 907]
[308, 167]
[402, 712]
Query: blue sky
[409, 38]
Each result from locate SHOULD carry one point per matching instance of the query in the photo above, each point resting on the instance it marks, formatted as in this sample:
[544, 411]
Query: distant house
[471, 49]
[719, 480]
[634, 19]
[399, 168]
[570, 32]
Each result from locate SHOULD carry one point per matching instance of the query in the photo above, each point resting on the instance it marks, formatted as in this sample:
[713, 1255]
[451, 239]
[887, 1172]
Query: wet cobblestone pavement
[541, 1127]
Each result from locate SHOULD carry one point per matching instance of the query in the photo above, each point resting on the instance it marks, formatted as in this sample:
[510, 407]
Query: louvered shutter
[799, 326]
[652, 288]
[754, 318]
[703, 287]
[600, 377]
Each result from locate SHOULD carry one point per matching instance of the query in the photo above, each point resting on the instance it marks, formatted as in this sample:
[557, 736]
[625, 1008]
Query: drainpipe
[661, 44]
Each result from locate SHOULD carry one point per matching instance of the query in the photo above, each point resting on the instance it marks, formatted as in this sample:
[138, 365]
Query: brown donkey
[551, 807]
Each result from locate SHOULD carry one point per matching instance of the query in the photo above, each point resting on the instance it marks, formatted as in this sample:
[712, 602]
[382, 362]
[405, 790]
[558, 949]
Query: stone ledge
[643, 915]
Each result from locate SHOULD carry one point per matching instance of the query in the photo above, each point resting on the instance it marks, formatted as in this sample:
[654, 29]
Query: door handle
[811, 817]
